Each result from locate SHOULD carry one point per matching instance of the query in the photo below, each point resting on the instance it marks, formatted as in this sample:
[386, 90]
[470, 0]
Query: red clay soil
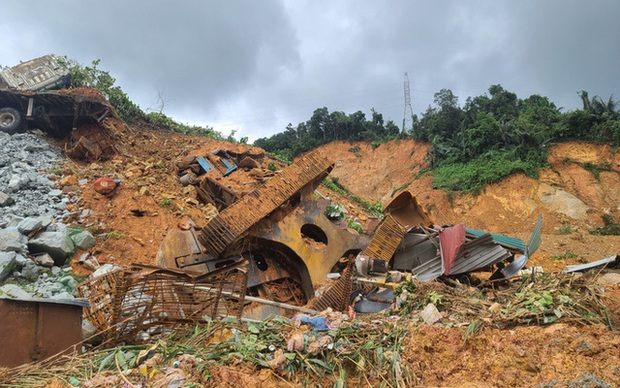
[570, 198]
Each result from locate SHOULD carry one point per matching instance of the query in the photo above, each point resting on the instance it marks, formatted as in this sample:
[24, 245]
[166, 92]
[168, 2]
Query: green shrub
[479, 172]
[335, 211]
[611, 227]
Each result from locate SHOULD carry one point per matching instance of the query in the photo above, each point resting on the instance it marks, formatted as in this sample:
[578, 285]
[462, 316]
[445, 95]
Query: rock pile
[35, 244]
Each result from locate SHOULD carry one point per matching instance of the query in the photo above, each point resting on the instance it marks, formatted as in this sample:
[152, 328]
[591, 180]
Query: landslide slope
[581, 183]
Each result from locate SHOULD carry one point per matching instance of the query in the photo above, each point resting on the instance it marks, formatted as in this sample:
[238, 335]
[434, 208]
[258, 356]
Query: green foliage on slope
[488, 138]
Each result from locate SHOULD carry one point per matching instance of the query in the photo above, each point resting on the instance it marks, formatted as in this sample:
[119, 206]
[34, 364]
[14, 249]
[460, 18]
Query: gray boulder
[56, 244]
[30, 271]
[84, 240]
[5, 199]
[7, 263]
[29, 224]
[14, 291]
[21, 260]
[44, 260]
[11, 240]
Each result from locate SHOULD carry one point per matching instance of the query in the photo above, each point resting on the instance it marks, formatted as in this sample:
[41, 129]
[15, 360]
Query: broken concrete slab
[104, 269]
[91, 263]
[56, 244]
[430, 314]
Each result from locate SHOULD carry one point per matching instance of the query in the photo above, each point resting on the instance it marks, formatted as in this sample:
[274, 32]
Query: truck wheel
[10, 120]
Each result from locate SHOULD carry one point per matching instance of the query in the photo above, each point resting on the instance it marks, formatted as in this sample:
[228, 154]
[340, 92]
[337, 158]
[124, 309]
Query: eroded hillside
[581, 184]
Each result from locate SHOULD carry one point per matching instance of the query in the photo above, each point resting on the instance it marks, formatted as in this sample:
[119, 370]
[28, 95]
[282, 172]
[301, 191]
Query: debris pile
[205, 173]
[281, 231]
[135, 303]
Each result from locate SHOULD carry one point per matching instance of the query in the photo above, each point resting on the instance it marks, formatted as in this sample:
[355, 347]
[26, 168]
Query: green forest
[482, 141]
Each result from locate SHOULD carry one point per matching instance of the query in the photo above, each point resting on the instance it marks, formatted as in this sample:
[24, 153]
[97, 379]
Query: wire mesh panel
[140, 301]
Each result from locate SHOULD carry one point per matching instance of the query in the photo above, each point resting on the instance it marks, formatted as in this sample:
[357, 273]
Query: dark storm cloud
[256, 66]
[196, 53]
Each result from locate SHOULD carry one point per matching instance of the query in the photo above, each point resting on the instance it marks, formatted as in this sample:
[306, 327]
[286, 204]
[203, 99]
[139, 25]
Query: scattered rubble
[34, 242]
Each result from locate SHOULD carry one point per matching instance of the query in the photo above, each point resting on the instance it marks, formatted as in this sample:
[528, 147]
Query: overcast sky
[256, 66]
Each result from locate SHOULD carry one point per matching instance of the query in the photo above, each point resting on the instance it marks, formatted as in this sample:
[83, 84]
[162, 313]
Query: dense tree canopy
[498, 134]
[489, 137]
[324, 127]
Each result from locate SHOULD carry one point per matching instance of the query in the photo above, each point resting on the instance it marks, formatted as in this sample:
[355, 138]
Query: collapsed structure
[279, 230]
[288, 244]
[268, 250]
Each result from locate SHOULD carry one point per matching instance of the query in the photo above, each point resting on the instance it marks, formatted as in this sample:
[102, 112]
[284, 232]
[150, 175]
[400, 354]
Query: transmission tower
[407, 118]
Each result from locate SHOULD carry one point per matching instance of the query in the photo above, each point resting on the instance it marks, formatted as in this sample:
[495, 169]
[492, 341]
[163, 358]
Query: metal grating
[386, 240]
[136, 299]
[337, 297]
[232, 223]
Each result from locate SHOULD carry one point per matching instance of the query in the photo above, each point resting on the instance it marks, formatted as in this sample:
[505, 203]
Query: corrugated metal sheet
[610, 262]
[474, 255]
[451, 240]
[479, 253]
[509, 242]
[535, 240]
[513, 268]
[415, 250]
[429, 270]
[234, 222]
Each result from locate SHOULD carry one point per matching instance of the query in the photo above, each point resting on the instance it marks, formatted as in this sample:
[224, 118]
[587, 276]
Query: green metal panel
[510, 242]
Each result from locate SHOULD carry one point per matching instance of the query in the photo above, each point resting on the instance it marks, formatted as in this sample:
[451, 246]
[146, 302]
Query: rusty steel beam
[401, 214]
[386, 239]
[234, 222]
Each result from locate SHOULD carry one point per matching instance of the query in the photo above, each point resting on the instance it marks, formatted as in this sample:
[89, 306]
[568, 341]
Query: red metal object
[451, 241]
[33, 330]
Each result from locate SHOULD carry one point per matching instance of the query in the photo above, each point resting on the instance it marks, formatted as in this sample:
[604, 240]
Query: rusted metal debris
[403, 213]
[281, 233]
[407, 241]
[33, 330]
[279, 229]
[210, 191]
[234, 222]
[205, 171]
[54, 112]
[337, 297]
[92, 143]
[423, 253]
[135, 302]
